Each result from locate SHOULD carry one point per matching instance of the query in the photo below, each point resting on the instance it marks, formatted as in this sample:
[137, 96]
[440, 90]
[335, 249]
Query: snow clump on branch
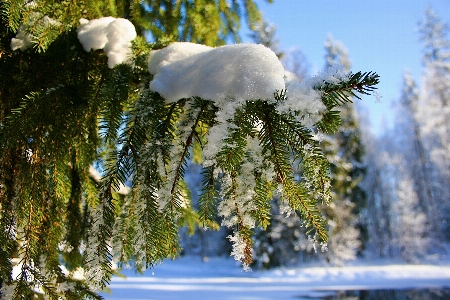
[113, 35]
[230, 75]
[22, 40]
[230, 72]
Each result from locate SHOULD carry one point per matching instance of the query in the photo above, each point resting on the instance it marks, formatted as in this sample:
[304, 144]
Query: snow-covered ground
[223, 279]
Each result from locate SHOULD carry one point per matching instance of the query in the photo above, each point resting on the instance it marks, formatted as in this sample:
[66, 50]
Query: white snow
[224, 279]
[113, 35]
[95, 175]
[22, 40]
[230, 72]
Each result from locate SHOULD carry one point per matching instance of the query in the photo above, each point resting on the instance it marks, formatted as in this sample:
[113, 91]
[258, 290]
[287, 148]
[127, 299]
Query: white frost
[240, 71]
[304, 98]
[112, 35]
[239, 247]
[301, 97]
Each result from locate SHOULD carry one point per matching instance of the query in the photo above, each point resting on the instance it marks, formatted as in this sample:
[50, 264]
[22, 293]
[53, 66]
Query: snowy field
[223, 279]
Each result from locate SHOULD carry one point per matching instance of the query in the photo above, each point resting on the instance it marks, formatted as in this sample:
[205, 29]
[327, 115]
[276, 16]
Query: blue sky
[380, 36]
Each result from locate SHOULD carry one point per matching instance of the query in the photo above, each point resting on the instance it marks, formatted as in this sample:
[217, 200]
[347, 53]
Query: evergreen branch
[73, 223]
[7, 238]
[44, 283]
[304, 147]
[295, 134]
[5, 262]
[189, 217]
[330, 122]
[124, 161]
[335, 94]
[245, 233]
[275, 149]
[232, 154]
[184, 156]
[150, 219]
[262, 200]
[85, 292]
[104, 253]
[114, 94]
[208, 197]
[306, 208]
[101, 235]
[11, 12]
[125, 233]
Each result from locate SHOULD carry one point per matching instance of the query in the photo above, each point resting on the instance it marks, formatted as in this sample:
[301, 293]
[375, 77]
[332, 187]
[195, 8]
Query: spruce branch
[106, 223]
[335, 94]
[187, 144]
[11, 12]
[275, 149]
[208, 198]
[114, 93]
[262, 200]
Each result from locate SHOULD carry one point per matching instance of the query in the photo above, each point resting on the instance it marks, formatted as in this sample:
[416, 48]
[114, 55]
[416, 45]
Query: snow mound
[236, 72]
[112, 35]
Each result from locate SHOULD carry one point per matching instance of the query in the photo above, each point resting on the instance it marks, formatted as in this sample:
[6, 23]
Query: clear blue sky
[380, 35]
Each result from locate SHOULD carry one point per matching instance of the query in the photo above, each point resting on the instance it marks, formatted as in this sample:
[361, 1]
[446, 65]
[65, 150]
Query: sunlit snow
[241, 71]
[112, 35]
[222, 279]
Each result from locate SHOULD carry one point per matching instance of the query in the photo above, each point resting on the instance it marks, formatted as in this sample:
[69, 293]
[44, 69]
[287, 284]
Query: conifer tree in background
[344, 150]
[79, 121]
[433, 114]
[413, 187]
[412, 229]
[265, 34]
[380, 215]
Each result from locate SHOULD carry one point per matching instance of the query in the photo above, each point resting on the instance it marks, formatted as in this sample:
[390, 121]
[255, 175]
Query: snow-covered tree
[296, 63]
[97, 127]
[412, 230]
[265, 34]
[433, 114]
[379, 216]
[413, 189]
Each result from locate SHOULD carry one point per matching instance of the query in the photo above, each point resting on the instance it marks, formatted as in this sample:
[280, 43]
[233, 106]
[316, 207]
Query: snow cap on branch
[240, 71]
[22, 40]
[112, 35]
